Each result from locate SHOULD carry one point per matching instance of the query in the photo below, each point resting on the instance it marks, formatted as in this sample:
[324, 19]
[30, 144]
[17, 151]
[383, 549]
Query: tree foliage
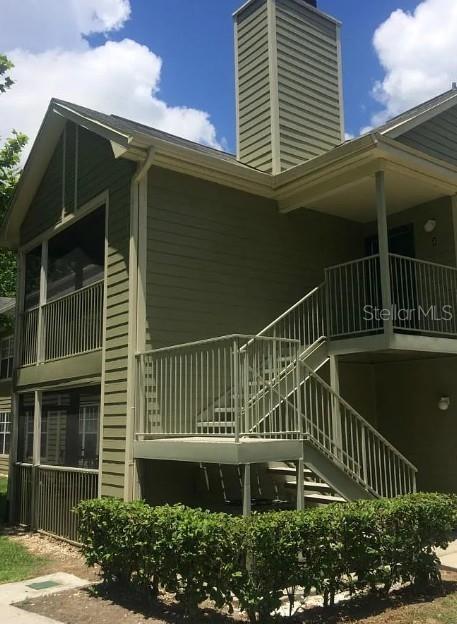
[6, 66]
[10, 158]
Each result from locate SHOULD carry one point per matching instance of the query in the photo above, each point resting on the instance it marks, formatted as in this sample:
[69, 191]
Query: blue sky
[195, 40]
[169, 63]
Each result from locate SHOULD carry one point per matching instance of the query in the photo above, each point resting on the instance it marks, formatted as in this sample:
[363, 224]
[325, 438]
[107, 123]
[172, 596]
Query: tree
[10, 157]
[5, 79]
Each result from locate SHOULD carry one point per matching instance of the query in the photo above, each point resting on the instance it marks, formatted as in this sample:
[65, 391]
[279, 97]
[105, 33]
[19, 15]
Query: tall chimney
[288, 83]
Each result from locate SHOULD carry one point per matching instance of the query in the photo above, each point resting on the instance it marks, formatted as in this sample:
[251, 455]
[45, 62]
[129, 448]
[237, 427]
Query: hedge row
[199, 555]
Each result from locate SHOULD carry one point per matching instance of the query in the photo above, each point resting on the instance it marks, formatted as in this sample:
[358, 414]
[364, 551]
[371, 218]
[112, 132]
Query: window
[76, 256]
[6, 357]
[89, 416]
[25, 427]
[5, 432]
[69, 427]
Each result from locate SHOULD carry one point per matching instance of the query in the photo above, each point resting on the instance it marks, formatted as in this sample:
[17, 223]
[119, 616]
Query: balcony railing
[423, 298]
[69, 325]
[230, 387]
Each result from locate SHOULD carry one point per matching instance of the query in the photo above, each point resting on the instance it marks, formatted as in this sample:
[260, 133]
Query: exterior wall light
[430, 225]
[443, 403]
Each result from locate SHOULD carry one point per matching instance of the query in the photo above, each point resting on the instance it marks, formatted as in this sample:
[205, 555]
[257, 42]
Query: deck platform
[218, 450]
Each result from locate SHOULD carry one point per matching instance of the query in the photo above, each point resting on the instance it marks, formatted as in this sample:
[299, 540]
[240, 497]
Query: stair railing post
[337, 435]
[364, 456]
[246, 393]
[299, 414]
[236, 388]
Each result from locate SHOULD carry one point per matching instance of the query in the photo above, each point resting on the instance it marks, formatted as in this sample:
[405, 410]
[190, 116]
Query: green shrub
[198, 555]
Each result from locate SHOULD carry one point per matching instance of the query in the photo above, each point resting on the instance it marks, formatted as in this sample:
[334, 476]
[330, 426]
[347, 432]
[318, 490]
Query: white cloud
[418, 54]
[120, 77]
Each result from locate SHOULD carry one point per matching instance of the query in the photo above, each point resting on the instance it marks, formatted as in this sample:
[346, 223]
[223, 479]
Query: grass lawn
[16, 562]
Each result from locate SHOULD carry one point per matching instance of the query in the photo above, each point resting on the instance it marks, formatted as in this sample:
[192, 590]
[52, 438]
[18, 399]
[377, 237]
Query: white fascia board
[417, 120]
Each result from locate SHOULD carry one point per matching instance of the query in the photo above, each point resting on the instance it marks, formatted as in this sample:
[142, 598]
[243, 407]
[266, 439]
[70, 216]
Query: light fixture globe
[443, 403]
[430, 225]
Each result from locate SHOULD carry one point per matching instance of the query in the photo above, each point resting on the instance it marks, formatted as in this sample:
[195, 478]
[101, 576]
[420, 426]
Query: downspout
[136, 313]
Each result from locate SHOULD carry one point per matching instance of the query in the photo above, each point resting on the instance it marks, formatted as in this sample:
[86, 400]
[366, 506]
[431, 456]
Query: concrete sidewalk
[12, 593]
[448, 557]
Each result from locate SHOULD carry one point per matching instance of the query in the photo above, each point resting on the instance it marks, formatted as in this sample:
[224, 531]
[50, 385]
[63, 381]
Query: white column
[247, 490]
[383, 238]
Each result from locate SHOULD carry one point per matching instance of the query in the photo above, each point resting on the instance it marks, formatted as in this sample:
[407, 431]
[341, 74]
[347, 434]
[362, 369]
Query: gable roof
[130, 140]
[418, 114]
[133, 140]
[129, 127]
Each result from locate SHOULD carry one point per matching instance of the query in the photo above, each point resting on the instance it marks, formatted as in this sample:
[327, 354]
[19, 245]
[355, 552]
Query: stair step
[288, 471]
[323, 498]
[216, 424]
[312, 485]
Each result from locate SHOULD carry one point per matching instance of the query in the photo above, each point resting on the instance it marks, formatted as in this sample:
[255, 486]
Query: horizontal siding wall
[254, 87]
[221, 261]
[308, 82]
[5, 406]
[90, 169]
[4, 465]
[437, 247]
[437, 137]
[98, 171]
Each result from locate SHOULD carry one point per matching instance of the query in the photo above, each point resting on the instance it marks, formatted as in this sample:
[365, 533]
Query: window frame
[9, 341]
[5, 431]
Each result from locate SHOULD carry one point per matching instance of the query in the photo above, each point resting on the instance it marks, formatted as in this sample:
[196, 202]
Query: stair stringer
[337, 478]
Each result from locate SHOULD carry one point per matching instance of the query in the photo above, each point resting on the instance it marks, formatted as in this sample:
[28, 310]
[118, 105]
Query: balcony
[230, 389]
[68, 325]
[410, 304]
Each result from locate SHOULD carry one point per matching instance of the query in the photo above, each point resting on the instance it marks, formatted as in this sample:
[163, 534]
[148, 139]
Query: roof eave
[364, 157]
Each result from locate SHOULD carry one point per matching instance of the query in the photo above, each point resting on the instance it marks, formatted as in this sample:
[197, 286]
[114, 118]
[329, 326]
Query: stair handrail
[287, 312]
[363, 420]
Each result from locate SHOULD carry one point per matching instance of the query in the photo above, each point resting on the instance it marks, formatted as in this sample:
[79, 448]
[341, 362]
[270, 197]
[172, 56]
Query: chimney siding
[289, 91]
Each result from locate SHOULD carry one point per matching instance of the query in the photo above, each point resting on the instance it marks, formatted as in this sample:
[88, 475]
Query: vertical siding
[222, 261]
[308, 82]
[98, 170]
[70, 168]
[46, 207]
[254, 98]
[437, 137]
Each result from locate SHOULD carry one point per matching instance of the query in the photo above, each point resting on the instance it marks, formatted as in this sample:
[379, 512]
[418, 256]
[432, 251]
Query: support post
[17, 360]
[247, 490]
[41, 338]
[336, 412]
[299, 470]
[36, 455]
[383, 241]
